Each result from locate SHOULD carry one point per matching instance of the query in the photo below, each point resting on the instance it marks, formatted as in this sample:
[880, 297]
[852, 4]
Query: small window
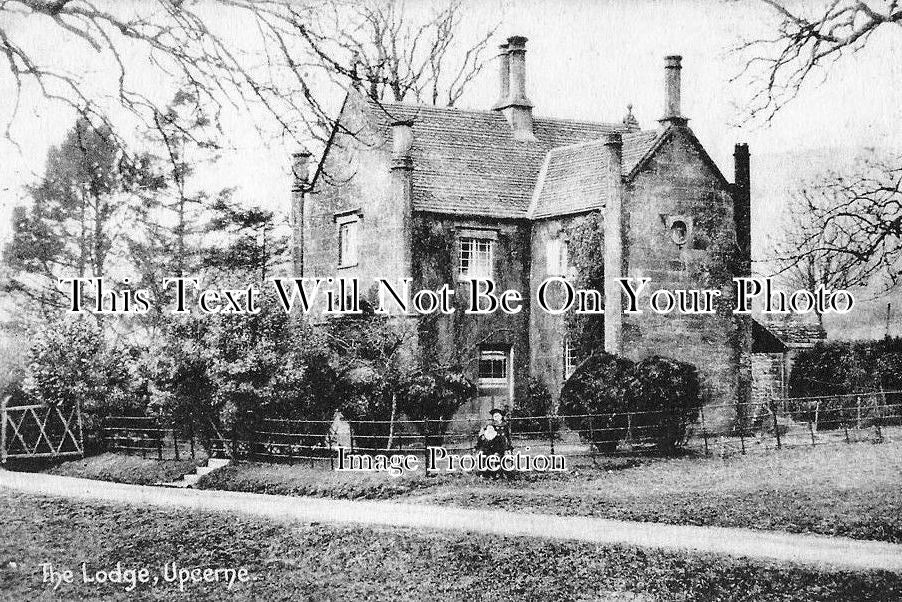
[569, 358]
[476, 258]
[493, 367]
[347, 243]
[556, 259]
[679, 232]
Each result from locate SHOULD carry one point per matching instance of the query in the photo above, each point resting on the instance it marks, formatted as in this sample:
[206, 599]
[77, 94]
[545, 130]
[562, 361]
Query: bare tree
[271, 65]
[185, 41]
[394, 56]
[845, 231]
[806, 41]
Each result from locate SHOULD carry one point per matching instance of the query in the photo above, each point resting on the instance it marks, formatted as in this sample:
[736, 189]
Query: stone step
[189, 480]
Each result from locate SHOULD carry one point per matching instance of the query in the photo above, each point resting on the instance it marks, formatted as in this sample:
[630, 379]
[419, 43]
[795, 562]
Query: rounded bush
[597, 387]
[662, 395]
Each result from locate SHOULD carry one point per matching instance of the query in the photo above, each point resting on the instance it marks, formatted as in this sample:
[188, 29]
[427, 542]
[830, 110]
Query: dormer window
[348, 241]
[475, 257]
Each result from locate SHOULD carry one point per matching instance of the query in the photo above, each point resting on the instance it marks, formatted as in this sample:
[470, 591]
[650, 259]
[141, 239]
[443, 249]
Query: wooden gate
[39, 431]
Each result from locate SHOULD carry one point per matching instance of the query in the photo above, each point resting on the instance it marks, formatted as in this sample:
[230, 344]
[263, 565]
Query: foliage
[663, 395]
[842, 367]
[652, 401]
[73, 225]
[435, 394]
[71, 362]
[598, 386]
[531, 401]
[228, 370]
[252, 247]
[585, 246]
[838, 368]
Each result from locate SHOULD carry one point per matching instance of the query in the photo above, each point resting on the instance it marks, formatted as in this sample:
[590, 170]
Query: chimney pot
[672, 69]
[300, 167]
[402, 143]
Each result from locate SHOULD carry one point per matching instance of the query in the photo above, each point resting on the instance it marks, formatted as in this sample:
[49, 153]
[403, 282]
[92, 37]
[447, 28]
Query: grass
[322, 482]
[127, 469]
[317, 562]
[845, 490]
[851, 490]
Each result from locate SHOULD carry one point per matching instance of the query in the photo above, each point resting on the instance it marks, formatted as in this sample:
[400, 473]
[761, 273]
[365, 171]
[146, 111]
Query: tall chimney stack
[672, 68]
[402, 189]
[742, 204]
[517, 108]
[504, 76]
[300, 167]
[613, 246]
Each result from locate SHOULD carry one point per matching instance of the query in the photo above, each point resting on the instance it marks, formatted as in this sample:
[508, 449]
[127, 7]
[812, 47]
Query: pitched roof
[573, 177]
[795, 333]
[468, 162]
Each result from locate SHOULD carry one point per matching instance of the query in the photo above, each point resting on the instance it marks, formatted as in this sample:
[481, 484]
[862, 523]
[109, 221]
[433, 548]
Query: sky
[585, 60]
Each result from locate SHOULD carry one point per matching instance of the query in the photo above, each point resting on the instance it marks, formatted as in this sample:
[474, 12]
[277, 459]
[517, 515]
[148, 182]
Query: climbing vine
[585, 249]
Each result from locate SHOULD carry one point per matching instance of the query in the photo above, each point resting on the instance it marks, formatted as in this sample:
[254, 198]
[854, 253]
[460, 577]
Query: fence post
[159, 438]
[846, 428]
[551, 434]
[175, 440]
[426, 445]
[191, 434]
[705, 431]
[251, 442]
[3, 404]
[811, 430]
[776, 426]
[592, 447]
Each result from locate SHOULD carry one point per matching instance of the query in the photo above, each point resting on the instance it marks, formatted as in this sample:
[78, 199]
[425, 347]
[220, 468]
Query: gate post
[3, 403]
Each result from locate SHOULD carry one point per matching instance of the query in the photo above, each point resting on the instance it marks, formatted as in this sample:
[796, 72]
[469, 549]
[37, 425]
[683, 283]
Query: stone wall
[769, 377]
[548, 331]
[680, 182]
[357, 177]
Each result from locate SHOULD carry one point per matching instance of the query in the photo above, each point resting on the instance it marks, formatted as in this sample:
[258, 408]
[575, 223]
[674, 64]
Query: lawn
[852, 490]
[127, 469]
[317, 562]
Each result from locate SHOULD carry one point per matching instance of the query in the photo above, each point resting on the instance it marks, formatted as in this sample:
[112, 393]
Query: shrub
[597, 387]
[663, 396]
[70, 362]
[435, 394]
[533, 401]
[836, 368]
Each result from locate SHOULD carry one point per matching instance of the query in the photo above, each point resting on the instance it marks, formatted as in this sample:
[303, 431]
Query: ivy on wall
[585, 249]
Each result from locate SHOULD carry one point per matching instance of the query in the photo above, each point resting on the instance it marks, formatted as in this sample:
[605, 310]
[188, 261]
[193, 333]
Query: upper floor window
[556, 258]
[475, 257]
[348, 242]
[569, 358]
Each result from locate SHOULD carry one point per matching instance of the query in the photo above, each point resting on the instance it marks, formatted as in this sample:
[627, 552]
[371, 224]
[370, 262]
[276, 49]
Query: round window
[678, 231]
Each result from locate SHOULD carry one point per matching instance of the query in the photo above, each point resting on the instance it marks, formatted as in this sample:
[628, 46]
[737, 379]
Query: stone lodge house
[442, 195]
